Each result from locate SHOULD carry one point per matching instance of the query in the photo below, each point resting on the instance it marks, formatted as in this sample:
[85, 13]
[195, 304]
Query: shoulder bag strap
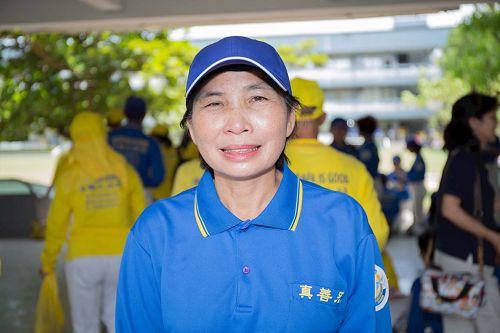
[478, 213]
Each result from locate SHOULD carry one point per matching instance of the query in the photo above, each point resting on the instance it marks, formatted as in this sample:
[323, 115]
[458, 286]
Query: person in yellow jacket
[98, 196]
[170, 159]
[311, 160]
[188, 175]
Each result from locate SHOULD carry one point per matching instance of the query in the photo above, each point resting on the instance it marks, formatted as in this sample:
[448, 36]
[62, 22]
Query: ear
[190, 130]
[290, 124]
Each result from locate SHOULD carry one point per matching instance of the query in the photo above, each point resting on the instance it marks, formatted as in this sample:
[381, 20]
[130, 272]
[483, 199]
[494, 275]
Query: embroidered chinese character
[305, 291]
[325, 295]
[339, 297]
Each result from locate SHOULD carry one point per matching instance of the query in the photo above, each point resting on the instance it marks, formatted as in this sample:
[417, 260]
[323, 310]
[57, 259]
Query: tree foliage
[473, 49]
[302, 54]
[45, 78]
[469, 62]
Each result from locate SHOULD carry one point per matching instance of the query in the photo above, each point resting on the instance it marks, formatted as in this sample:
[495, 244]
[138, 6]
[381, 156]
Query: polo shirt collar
[283, 212]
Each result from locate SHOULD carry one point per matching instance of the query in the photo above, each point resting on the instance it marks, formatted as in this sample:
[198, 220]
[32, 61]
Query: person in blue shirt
[252, 248]
[395, 191]
[416, 176]
[367, 153]
[339, 129]
[398, 179]
[141, 151]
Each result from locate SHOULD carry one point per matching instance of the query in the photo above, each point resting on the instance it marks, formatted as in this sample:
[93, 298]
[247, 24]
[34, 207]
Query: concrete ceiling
[86, 15]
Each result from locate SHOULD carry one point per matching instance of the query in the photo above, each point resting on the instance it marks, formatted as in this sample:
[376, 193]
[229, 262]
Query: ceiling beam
[77, 15]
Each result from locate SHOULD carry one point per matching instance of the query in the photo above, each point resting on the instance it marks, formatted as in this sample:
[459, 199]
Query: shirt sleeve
[138, 306]
[371, 204]
[368, 314]
[459, 176]
[57, 226]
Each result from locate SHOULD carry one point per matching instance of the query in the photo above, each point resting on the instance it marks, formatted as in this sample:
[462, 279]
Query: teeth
[243, 150]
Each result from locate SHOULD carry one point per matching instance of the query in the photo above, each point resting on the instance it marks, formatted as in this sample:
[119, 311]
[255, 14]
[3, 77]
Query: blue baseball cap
[237, 50]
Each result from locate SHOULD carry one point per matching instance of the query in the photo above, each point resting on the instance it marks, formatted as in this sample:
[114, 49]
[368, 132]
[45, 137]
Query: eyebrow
[260, 85]
[205, 94]
[255, 86]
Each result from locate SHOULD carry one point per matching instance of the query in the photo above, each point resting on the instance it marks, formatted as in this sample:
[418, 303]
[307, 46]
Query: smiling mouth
[240, 150]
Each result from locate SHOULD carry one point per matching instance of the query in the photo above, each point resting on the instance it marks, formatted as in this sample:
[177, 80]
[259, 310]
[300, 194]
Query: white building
[371, 61]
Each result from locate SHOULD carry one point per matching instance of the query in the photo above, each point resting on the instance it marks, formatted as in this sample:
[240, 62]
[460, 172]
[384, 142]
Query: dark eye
[259, 99]
[212, 105]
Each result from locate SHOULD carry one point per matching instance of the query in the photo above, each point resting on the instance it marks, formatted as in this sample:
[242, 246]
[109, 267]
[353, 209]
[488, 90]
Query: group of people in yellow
[98, 196]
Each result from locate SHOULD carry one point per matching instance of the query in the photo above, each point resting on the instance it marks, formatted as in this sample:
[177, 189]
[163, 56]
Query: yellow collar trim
[298, 208]
[199, 220]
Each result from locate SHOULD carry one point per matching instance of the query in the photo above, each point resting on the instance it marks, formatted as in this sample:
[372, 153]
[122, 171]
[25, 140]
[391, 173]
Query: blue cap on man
[237, 50]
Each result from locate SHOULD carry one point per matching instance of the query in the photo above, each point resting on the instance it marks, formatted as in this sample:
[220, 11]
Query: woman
[472, 127]
[97, 198]
[252, 248]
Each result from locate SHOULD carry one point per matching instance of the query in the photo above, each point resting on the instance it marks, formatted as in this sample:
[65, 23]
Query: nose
[237, 121]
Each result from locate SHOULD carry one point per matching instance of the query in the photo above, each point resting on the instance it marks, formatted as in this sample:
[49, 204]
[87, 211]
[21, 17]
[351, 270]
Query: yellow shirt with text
[330, 168]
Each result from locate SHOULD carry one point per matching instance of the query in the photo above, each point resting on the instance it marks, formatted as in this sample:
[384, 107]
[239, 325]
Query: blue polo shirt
[368, 154]
[308, 263]
[417, 170]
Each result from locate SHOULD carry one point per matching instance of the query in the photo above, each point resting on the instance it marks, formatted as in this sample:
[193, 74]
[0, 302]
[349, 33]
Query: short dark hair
[135, 108]
[367, 125]
[291, 102]
[413, 146]
[338, 122]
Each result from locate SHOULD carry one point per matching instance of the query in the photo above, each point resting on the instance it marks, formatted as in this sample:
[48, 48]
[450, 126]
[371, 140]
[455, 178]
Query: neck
[134, 124]
[246, 199]
[306, 130]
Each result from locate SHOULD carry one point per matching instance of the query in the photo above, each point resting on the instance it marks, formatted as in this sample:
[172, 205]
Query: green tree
[45, 78]
[302, 54]
[473, 49]
[469, 62]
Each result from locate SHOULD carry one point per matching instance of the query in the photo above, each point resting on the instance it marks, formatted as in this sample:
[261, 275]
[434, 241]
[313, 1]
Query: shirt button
[246, 269]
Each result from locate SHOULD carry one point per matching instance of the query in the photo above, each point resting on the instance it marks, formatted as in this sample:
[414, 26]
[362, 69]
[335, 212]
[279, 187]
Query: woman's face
[240, 125]
[484, 128]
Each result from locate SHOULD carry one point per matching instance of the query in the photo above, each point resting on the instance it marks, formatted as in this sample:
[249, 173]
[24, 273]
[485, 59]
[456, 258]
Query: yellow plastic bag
[49, 316]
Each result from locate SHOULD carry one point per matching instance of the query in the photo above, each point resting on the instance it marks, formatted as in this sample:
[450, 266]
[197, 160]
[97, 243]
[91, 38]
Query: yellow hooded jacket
[98, 196]
[330, 168]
